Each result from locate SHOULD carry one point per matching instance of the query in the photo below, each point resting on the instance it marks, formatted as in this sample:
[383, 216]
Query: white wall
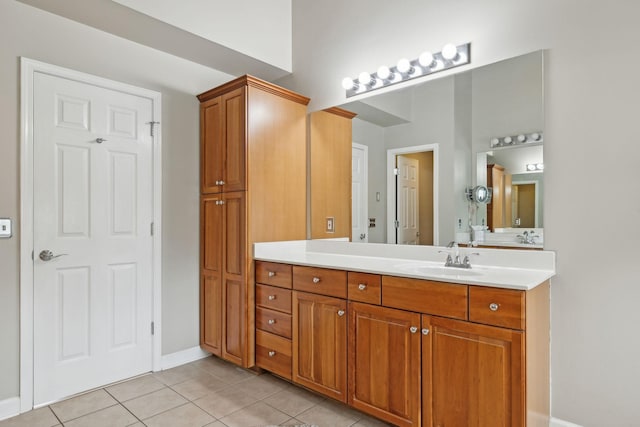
[591, 148]
[29, 32]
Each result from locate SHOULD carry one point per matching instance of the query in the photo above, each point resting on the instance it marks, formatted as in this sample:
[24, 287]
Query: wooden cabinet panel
[273, 353]
[234, 233]
[234, 139]
[273, 298]
[497, 307]
[472, 374]
[425, 296]
[234, 339]
[384, 363]
[211, 146]
[320, 344]
[211, 237]
[320, 281]
[274, 274]
[364, 287]
[211, 312]
[274, 322]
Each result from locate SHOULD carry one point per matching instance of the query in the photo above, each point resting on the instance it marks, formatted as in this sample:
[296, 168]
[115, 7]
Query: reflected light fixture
[535, 167]
[427, 63]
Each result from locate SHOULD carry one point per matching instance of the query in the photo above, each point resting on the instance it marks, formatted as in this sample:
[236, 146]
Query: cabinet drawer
[273, 298]
[364, 287]
[274, 274]
[273, 321]
[425, 296]
[273, 353]
[320, 281]
[498, 307]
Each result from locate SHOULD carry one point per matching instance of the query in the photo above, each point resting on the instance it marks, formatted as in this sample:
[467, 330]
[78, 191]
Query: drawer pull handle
[413, 329]
[362, 286]
[316, 280]
[425, 331]
[340, 313]
[271, 297]
[271, 321]
[494, 307]
[272, 273]
[272, 353]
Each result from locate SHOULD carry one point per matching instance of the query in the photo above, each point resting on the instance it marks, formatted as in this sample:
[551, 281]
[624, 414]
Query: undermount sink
[433, 270]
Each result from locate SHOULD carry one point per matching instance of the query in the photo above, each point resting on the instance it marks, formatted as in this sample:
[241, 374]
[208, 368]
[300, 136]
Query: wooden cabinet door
[234, 295]
[320, 344]
[472, 375]
[384, 363]
[211, 145]
[211, 274]
[234, 103]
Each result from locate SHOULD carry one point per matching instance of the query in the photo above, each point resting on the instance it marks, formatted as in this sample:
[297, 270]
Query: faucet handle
[449, 260]
[467, 261]
[452, 244]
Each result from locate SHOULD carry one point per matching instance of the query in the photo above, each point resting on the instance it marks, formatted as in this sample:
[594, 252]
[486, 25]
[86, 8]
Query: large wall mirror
[429, 142]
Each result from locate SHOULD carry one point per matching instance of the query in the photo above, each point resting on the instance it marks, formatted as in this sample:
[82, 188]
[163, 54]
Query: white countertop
[512, 269]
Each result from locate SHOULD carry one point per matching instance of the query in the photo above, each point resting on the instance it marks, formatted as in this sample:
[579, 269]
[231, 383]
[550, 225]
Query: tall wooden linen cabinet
[253, 189]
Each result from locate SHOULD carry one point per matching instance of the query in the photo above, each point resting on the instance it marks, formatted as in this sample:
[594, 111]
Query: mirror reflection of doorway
[523, 198]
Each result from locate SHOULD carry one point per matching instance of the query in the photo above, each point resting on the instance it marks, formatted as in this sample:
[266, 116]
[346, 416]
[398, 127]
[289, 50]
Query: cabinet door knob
[272, 273]
[271, 297]
[340, 313]
[271, 321]
[493, 306]
[362, 286]
[425, 331]
[272, 353]
[413, 329]
[221, 182]
[316, 280]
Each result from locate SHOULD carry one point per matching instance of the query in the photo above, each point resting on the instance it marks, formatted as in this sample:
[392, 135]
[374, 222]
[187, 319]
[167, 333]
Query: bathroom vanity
[392, 332]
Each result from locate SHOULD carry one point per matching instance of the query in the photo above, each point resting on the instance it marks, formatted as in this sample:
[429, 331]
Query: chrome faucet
[528, 237]
[454, 261]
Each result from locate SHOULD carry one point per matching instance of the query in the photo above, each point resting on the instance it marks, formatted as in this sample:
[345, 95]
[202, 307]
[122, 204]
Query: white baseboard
[9, 407]
[555, 422]
[181, 357]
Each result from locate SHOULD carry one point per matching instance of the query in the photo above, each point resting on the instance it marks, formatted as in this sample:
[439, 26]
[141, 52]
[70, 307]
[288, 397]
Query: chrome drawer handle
[271, 321]
[316, 280]
[271, 297]
[340, 313]
[413, 329]
[362, 286]
[425, 331]
[272, 353]
[493, 306]
[272, 273]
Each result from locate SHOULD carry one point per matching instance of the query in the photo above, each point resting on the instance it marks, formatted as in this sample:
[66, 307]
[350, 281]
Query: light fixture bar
[520, 139]
[426, 64]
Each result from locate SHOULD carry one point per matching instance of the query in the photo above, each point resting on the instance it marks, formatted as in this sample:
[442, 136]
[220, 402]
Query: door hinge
[152, 124]
[31, 255]
[395, 171]
[396, 223]
[153, 328]
[152, 228]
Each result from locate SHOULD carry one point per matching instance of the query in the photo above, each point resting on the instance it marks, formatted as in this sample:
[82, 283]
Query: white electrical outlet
[331, 225]
[5, 227]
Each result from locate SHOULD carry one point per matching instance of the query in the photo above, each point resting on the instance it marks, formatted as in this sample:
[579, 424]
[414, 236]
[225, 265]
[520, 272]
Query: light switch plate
[5, 227]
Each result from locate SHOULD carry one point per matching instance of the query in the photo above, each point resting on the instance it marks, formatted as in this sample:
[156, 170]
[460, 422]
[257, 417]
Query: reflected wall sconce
[426, 64]
[535, 167]
[520, 139]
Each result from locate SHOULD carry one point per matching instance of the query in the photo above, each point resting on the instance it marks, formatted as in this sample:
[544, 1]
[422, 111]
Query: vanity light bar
[510, 141]
[534, 167]
[426, 64]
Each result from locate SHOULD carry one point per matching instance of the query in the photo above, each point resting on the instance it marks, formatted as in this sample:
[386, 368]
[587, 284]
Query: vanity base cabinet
[384, 363]
[472, 375]
[320, 344]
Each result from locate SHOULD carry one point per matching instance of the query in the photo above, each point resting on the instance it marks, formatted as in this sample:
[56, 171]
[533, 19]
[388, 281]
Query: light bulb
[531, 167]
[449, 52]
[364, 78]
[426, 59]
[522, 138]
[404, 66]
[495, 141]
[384, 72]
[535, 136]
[347, 83]
[508, 140]
[540, 166]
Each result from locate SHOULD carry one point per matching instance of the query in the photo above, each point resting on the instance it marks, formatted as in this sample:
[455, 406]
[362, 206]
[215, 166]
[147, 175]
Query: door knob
[47, 255]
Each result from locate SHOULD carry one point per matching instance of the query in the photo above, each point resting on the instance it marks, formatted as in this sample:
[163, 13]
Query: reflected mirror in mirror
[451, 120]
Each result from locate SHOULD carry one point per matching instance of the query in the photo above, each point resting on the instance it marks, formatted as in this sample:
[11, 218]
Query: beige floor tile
[367, 421]
[216, 424]
[226, 371]
[178, 374]
[42, 417]
[262, 386]
[329, 415]
[82, 405]
[291, 422]
[188, 415]
[258, 414]
[135, 388]
[196, 388]
[138, 424]
[293, 400]
[114, 416]
[224, 402]
[154, 403]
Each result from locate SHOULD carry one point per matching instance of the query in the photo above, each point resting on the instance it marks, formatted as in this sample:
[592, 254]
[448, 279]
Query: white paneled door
[407, 216]
[93, 209]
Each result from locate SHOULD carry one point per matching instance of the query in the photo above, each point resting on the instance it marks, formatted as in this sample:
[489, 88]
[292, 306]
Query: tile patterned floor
[208, 392]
